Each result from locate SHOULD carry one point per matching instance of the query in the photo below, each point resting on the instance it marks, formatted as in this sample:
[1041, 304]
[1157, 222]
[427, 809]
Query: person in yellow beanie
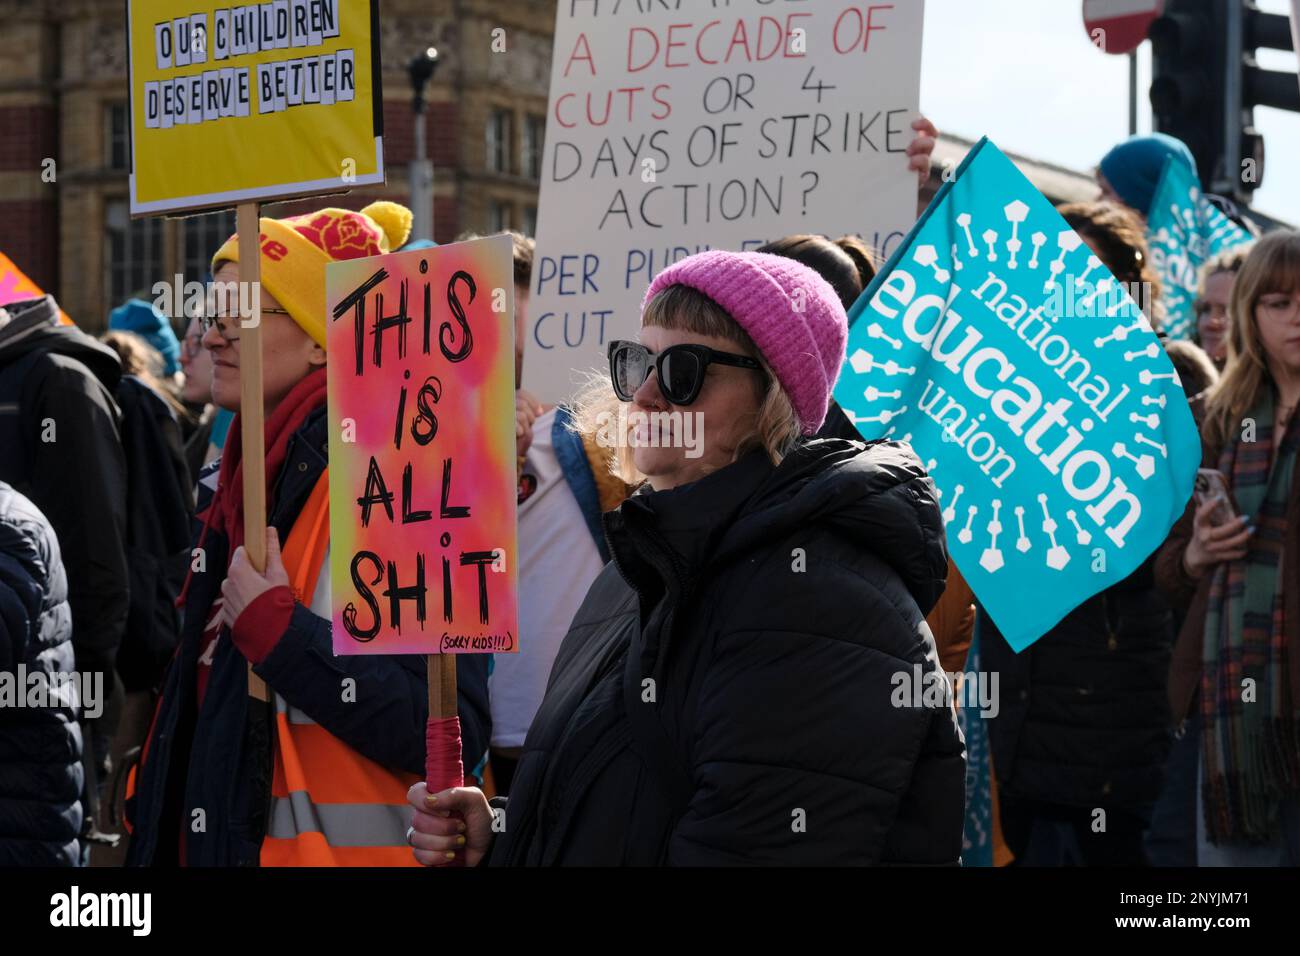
[318, 774]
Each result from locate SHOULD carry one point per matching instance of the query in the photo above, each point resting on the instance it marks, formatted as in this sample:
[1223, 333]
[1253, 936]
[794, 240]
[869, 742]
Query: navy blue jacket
[220, 759]
[1084, 720]
[40, 747]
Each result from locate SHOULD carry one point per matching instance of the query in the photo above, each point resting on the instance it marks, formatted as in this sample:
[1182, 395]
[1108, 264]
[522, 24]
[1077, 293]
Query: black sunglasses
[680, 368]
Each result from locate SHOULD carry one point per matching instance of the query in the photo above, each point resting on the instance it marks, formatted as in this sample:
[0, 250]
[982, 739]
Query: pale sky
[1024, 73]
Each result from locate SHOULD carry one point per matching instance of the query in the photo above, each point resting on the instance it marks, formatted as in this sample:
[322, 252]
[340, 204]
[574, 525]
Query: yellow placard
[251, 102]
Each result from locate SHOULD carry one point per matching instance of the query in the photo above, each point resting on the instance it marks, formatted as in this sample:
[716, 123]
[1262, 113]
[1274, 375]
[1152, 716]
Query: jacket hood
[34, 326]
[877, 495]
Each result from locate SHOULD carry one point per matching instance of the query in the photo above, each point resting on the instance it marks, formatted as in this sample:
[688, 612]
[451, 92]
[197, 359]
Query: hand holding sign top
[921, 148]
[244, 583]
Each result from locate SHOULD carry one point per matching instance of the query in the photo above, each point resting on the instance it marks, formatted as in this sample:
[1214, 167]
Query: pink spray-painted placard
[422, 451]
[15, 287]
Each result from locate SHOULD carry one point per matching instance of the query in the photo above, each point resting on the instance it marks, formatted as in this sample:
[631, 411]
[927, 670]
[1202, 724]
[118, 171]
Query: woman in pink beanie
[732, 689]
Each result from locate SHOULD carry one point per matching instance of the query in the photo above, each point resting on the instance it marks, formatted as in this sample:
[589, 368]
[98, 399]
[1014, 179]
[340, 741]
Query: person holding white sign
[727, 692]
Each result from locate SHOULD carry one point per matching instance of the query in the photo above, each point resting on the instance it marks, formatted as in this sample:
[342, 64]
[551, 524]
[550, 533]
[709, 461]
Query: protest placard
[671, 131]
[422, 451]
[239, 102]
[236, 104]
[1184, 231]
[15, 286]
[1033, 388]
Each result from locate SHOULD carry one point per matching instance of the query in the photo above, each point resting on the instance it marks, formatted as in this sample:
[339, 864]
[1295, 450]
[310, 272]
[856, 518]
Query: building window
[530, 220]
[133, 251]
[118, 147]
[204, 236]
[502, 216]
[534, 136]
[498, 141]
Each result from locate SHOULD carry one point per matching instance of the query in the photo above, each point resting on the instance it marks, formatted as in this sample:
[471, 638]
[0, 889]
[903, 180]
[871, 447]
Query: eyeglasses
[192, 345]
[1278, 305]
[680, 368]
[220, 322]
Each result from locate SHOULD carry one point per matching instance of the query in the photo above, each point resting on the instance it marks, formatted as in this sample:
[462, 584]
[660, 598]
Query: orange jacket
[330, 806]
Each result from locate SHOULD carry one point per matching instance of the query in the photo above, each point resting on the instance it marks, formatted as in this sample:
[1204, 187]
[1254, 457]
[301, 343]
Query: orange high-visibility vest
[330, 806]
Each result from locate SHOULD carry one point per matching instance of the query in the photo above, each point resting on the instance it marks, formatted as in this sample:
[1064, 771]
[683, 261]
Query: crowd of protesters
[709, 680]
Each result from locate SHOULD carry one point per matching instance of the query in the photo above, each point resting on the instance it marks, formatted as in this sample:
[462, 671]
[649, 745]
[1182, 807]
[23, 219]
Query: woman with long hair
[1236, 669]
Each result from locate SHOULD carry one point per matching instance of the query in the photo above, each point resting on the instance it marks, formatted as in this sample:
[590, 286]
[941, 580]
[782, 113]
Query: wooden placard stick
[442, 686]
[249, 226]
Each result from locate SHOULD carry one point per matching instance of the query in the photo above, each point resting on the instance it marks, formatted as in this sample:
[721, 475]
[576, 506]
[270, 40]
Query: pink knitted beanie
[792, 314]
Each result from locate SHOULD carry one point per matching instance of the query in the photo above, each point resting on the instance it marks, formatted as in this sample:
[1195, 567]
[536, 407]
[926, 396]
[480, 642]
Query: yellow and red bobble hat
[295, 252]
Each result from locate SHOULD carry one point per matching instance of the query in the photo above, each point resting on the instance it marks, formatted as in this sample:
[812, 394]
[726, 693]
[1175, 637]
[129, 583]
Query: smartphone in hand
[1212, 485]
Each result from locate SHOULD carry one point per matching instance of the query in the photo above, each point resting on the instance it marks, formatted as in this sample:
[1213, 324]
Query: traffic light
[1258, 87]
[1206, 84]
[1188, 68]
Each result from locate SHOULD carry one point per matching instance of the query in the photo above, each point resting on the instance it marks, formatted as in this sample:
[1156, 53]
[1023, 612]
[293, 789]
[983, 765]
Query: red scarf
[226, 509]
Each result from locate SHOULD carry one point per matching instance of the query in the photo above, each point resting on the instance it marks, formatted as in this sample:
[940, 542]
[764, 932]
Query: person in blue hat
[1130, 172]
[148, 321]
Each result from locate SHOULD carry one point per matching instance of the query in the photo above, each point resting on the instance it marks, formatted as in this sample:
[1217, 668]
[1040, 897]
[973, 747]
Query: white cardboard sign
[709, 125]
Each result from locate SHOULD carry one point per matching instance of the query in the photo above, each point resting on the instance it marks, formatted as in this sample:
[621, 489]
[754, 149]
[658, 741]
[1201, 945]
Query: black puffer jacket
[160, 503]
[1084, 717]
[40, 747]
[56, 374]
[766, 611]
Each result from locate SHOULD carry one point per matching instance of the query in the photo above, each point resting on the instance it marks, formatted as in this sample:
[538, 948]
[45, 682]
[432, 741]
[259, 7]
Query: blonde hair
[1229, 261]
[777, 428]
[1272, 266]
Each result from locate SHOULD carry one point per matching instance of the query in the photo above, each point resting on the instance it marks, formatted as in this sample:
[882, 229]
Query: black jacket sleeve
[81, 488]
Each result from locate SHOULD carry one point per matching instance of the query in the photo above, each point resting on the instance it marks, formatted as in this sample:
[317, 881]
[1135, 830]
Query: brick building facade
[64, 140]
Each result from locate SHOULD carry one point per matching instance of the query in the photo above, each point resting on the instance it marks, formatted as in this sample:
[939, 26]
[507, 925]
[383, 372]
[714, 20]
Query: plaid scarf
[1252, 727]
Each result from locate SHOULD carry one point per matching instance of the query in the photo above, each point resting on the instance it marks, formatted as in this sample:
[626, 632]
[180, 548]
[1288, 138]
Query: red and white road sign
[1123, 24]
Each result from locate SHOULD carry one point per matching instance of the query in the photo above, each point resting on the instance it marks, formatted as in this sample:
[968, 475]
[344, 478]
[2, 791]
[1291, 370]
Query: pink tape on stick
[442, 762]
[442, 766]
